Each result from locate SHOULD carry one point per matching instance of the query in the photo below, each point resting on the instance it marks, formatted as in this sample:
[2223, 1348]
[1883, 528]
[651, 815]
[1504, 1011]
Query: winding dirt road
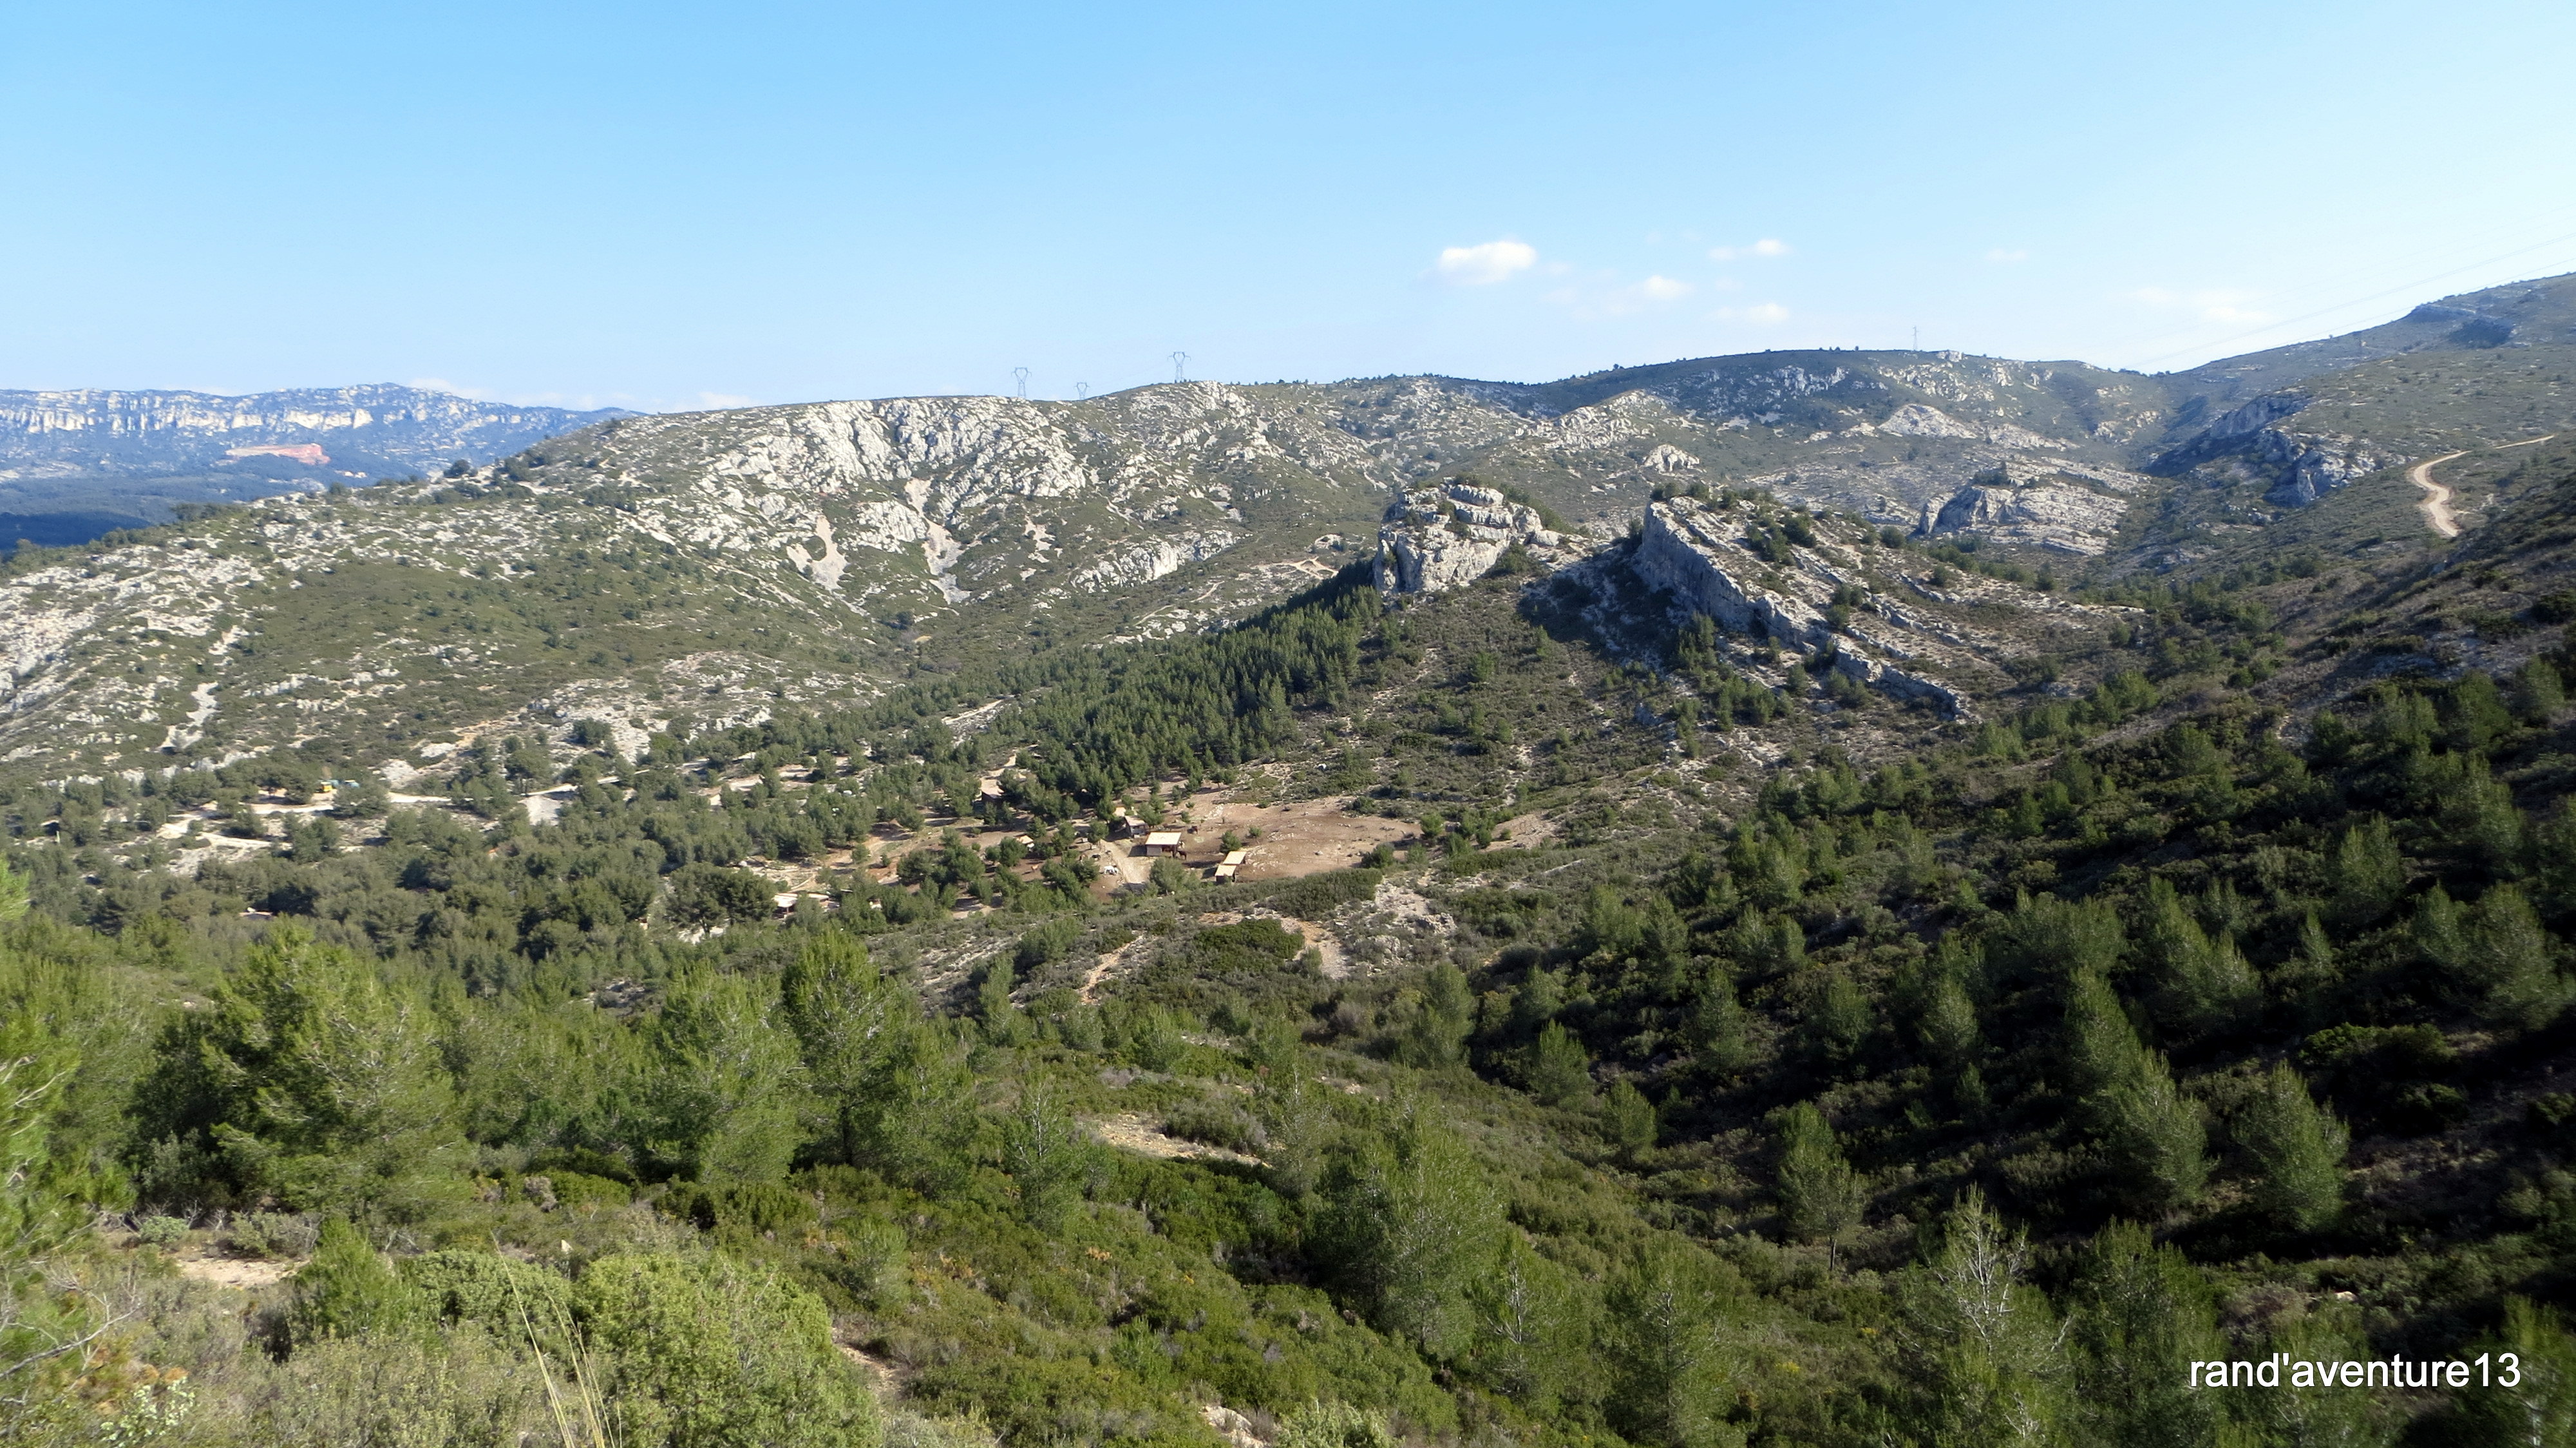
[2436, 506]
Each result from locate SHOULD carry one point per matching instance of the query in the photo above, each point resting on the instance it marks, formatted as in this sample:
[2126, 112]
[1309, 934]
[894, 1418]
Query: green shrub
[1316, 896]
[1333, 1425]
[271, 1234]
[579, 1192]
[704, 1352]
[582, 1161]
[1215, 1123]
[348, 1290]
[161, 1231]
[505, 1296]
[758, 1207]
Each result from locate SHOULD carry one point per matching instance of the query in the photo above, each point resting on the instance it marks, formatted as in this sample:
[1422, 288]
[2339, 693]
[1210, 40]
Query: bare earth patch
[1131, 1131]
[234, 1272]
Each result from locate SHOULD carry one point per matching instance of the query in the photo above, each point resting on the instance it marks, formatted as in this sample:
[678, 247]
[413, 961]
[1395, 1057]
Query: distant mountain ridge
[154, 433]
[76, 462]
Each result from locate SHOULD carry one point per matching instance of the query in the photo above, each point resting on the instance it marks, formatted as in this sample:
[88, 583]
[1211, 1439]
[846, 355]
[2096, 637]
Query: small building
[1163, 842]
[1123, 824]
[1227, 867]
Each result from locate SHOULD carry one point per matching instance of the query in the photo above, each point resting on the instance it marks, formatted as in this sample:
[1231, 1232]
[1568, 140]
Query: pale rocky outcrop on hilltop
[1438, 538]
[2033, 506]
[1699, 552]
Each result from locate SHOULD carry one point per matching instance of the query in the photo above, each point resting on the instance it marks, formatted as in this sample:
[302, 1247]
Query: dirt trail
[2436, 506]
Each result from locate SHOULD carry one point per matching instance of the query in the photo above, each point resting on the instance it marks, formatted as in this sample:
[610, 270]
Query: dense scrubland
[1778, 1090]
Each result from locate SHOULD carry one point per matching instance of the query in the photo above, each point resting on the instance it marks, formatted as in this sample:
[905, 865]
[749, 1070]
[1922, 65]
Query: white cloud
[1767, 246]
[724, 399]
[1999, 254]
[1485, 263]
[1765, 313]
[1663, 289]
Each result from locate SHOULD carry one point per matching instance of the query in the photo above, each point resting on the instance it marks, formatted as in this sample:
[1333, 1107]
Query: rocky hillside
[721, 565]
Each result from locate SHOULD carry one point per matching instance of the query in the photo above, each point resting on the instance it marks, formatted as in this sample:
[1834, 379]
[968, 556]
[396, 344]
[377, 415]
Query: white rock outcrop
[1699, 553]
[1451, 534]
[2304, 466]
[2043, 510]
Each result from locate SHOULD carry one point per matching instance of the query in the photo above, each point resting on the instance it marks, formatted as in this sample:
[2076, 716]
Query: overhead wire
[2343, 305]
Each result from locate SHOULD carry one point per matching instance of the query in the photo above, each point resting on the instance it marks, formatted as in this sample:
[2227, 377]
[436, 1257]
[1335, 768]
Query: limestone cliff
[1453, 533]
[2035, 507]
[1706, 556]
[354, 431]
[2302, 465]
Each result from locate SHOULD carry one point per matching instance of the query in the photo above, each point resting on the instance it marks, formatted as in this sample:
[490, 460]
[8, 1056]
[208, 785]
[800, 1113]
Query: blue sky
[665, 206]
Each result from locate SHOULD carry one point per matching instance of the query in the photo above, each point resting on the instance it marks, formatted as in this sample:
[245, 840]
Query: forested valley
[1771, 1091]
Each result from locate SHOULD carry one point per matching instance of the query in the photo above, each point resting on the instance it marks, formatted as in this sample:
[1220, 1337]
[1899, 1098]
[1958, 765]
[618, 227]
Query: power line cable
[2359, 301]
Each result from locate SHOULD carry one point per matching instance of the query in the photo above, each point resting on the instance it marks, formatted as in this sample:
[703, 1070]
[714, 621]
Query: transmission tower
[1081, 390]
[1020, 381]
[1180, 367]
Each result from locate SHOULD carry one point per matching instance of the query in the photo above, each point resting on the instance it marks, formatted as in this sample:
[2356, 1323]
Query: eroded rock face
[1701, 554]
[2040, 509]
[1451, 534]
[2315, 464]
[2305, 466]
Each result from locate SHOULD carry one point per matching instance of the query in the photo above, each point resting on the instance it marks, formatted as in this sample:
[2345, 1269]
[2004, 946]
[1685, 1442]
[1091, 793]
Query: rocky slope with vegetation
[1632, 1016]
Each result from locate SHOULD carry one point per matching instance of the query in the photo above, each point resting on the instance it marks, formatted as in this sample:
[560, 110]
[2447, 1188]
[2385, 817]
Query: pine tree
[1003, 1023]
[2153, 1138]
[2142, 1316]
[1532, 1334]
[2367, 874]
[1665, 1309]
[1409, 1222]
[2203, 985]
[727, 1087]
[1436, 1036]
[2539, 1408]
[2508, 963]
[2298, 1149]
[322, 1085]
[1628, 1119]
[1048, 1156]
[1821, 1197]
[849, 1020]
[2478, 814]
[2151, 1135]
[2316, 1416]
[1558, 1071]
[1948, 1026]
[1717, 1024]
[2436, 932]
[1984, 1353]
[43, 1218]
